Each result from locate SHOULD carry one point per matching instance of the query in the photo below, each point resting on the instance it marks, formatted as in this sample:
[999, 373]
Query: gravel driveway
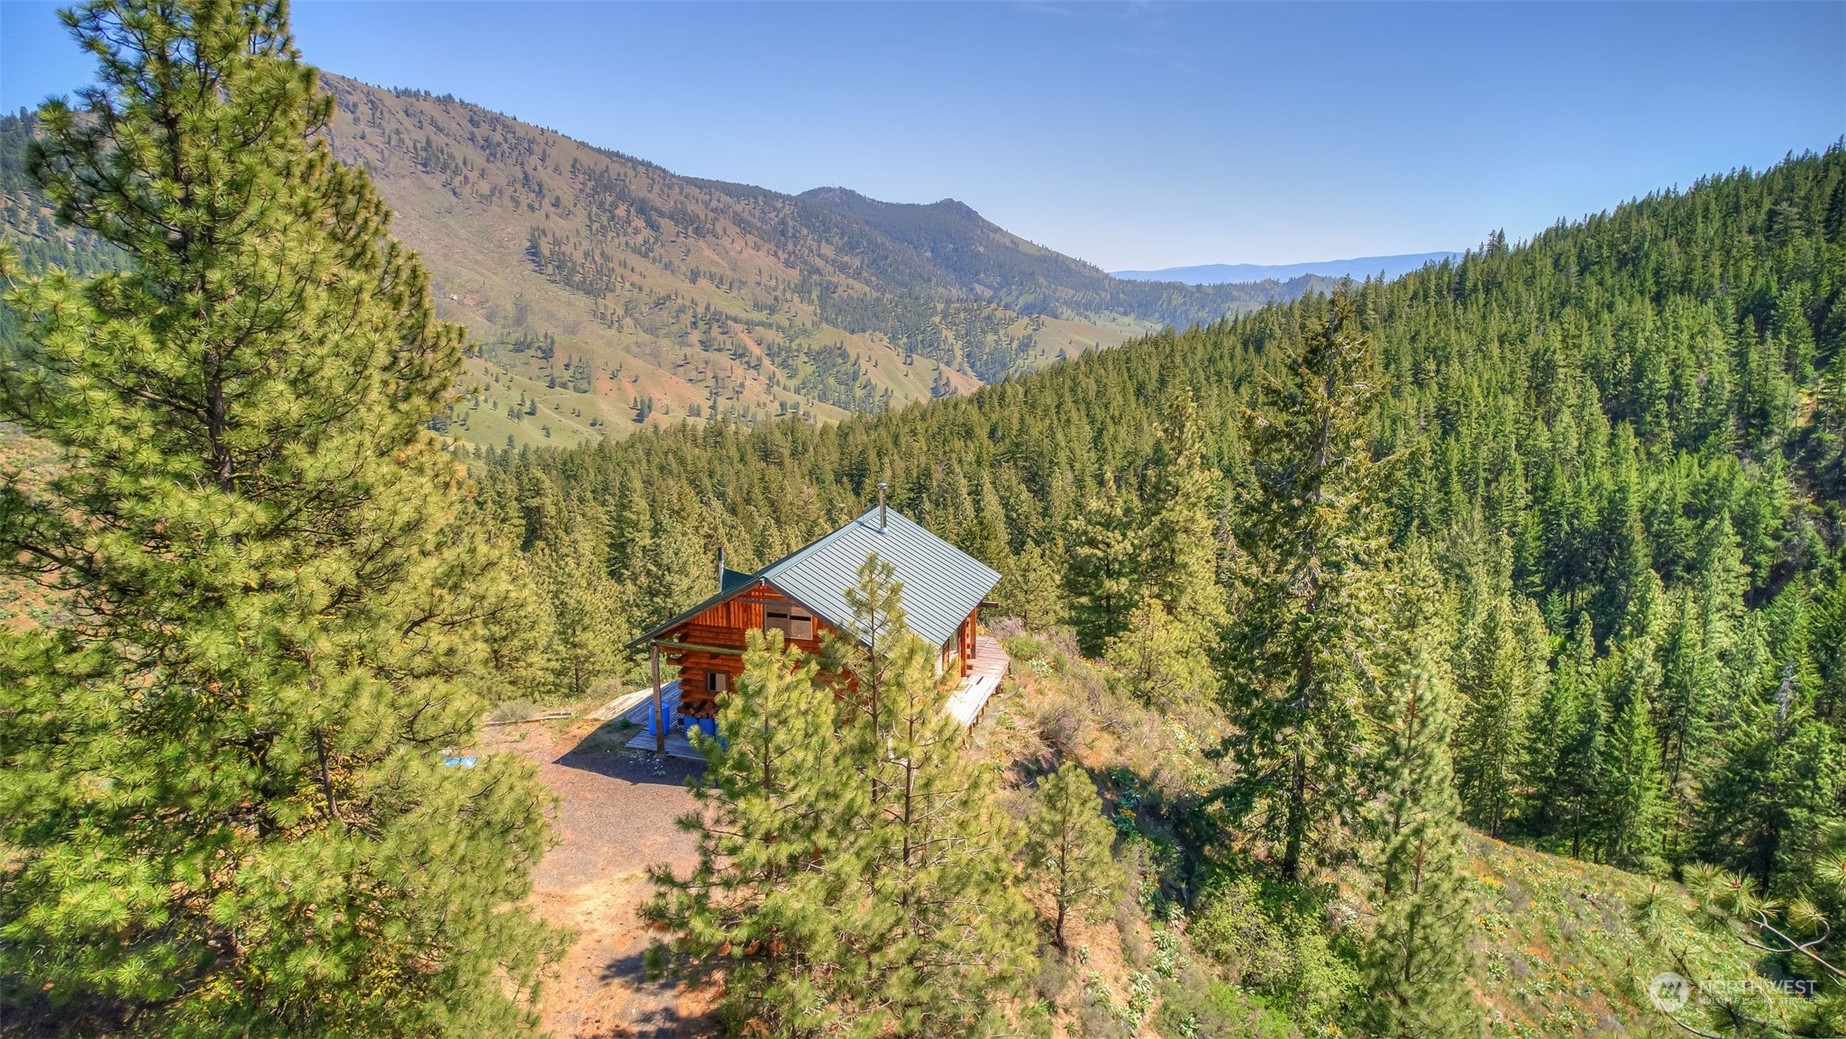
[615, 820]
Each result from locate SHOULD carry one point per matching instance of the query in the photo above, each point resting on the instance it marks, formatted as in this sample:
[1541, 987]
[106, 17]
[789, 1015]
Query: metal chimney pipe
[721, 568]
[884, 514]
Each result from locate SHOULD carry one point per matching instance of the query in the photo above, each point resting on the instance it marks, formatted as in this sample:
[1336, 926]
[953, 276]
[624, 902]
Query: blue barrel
[709, 726]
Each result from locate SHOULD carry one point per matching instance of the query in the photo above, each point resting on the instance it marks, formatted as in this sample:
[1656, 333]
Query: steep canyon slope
[604, 292]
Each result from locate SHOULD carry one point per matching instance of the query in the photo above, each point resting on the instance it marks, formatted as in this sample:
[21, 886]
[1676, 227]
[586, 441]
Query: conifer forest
[1457, 655]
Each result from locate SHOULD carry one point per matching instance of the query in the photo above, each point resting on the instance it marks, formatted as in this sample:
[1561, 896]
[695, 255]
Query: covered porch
[966, 703]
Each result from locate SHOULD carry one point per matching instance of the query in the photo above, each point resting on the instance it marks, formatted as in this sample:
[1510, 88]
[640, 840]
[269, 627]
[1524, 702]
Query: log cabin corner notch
[803, 596]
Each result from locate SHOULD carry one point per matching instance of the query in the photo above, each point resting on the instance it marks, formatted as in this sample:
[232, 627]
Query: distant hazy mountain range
[1227, 273]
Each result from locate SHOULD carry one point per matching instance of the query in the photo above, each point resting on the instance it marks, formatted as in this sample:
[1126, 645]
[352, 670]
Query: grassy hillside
[604, 294]
[607, 294]
[1617, 450]
[1204, 945]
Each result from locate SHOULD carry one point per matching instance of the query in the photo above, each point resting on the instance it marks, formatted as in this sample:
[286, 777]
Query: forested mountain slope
[604, 293]
[1624, 425]
[1679, 331]
[1616, 451]
[607, 292]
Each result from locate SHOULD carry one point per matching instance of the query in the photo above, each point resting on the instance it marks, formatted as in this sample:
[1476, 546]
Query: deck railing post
[660, 720]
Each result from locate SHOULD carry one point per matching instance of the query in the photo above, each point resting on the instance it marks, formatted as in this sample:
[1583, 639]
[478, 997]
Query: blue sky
[1144, 135]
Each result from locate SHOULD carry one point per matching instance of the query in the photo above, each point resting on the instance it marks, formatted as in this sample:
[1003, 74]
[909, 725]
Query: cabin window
[717, 682]
[791, 621]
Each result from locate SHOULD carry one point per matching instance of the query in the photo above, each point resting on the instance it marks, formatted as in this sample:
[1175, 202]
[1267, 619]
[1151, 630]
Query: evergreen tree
[1722, 580]
[520, 641]
[1829, 651]
[1311, 614]
[1622, 552]
[775, 821]
[863, 660]
[1165, 647]
[1563, 751]
[1068, 843]
[1029, 589]
[588, 622]
[1683, 708]
[676, 569]
[1416, 959]
[1773, 792]
[1796, 933]
[1100, 576]
[1496, 679]
[223, 788]
[935, 921]
[1630, 805]
[1177, 552]
[1158, 659]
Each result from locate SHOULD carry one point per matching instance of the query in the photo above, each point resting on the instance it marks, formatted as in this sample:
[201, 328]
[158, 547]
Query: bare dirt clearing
[615, 819]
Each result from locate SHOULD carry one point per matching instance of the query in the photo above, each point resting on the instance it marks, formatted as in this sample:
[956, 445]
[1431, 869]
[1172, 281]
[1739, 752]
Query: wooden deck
[642, 715]
[967, 701]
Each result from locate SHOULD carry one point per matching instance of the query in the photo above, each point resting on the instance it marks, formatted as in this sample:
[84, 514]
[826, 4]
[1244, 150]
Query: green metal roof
[941, 583]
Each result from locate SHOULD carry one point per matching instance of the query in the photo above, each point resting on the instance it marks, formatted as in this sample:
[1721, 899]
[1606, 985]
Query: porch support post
[660, 721]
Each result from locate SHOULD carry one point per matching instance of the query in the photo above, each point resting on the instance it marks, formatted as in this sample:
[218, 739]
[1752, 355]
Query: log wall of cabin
[724, 625]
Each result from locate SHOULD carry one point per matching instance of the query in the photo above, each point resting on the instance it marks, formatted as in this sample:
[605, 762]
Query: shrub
[1060, 724]
[1195, 1004]
[1023, 649]
[1273, 938]
[513, 711]
[1053, 977]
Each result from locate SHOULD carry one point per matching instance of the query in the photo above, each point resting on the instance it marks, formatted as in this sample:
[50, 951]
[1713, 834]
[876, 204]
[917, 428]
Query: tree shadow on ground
[661, 1019]
[605, 751]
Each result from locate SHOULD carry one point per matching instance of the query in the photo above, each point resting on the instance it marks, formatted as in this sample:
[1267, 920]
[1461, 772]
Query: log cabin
[803, 596]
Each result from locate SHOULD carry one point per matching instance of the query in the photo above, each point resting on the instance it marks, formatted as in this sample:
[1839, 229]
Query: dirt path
[615, 820]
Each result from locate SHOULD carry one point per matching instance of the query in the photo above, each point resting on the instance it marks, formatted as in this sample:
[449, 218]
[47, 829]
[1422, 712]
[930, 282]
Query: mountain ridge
[604, 293]
[1358, 268]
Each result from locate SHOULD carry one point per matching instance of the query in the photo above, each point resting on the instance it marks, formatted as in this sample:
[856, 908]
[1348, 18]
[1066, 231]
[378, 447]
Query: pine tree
[1174, 628]
[1774, 788]
[1721, 580]
[1630, 805]
[941, 932]
[776, 817]
[589, 625]
[1068, 843]
[1416, 960]
[1828, 650]
[676, 570]
[1029, 589]
[1312, 615]
[1563, 750]
[1174, 541]
[521, 639]
[1158, 659]
[1496, 679]
[1683, 708]
[1100, 576]
[863, 661]
[223, 788]
[1623, 558]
